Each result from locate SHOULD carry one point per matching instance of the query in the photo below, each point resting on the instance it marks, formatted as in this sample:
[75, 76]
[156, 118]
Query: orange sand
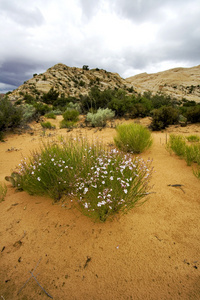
[153, 252]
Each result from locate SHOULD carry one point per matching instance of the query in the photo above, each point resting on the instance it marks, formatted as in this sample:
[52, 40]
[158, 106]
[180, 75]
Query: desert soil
[153, 252]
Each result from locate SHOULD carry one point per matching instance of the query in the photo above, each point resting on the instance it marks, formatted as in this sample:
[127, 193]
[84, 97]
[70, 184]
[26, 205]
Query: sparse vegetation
[50, 115]
[47, 125]
[124, 101]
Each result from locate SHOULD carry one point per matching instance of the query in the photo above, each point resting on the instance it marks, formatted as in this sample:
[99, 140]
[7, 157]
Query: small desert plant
[3, 191]
[193, 138]
[103, 182]
[192, 154]
[197, 172]
[100, 118]
[70, 117]
[47, 125]
[177, 144]
[50, 115]
[133, 138]
[189, 152]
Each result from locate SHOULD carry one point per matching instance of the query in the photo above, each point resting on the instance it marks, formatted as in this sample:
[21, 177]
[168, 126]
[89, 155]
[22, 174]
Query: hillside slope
[69, 81]
[178, 82]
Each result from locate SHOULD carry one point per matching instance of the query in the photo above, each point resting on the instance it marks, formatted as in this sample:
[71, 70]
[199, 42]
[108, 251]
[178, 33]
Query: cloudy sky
[124, 36]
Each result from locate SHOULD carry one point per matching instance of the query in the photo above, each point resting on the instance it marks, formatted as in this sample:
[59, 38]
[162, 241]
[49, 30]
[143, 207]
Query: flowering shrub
[103, 181]
[115, 182]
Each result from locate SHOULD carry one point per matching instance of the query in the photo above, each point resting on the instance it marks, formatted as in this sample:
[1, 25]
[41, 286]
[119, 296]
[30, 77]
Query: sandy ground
[153, 252]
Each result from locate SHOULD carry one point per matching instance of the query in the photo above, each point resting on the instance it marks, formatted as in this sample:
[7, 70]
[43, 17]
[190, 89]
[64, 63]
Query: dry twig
[32, 276]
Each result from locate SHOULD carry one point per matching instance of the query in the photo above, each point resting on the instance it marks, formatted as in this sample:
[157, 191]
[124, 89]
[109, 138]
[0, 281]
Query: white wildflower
[86, 205]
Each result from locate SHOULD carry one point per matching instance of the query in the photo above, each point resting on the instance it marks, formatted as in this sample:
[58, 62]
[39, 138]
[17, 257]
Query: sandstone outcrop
[70, 81]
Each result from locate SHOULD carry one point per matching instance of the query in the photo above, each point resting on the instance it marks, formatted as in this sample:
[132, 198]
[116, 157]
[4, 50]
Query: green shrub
[102, 182]
[50, 115]
[193, 114]
[10, 115]
[193, 138]
[189, 152]
[47, 125]
[177, 144]
[29, 99]
[67, 124]
[51, 97]
[163, 117]
[1, 136]
[41, 109]
[71, 115]
[100, 118]
[197, 172]
[133, 138]
[3, 191]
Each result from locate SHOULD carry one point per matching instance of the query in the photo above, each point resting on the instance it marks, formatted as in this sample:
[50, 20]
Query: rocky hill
[69, 81]
[179, 82]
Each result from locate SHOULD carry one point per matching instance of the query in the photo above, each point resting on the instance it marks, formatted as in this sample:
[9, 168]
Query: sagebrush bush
[74, 106]
[133, 138]
[29, 112]
[102, 182]
[100, 118]
[57, 112]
